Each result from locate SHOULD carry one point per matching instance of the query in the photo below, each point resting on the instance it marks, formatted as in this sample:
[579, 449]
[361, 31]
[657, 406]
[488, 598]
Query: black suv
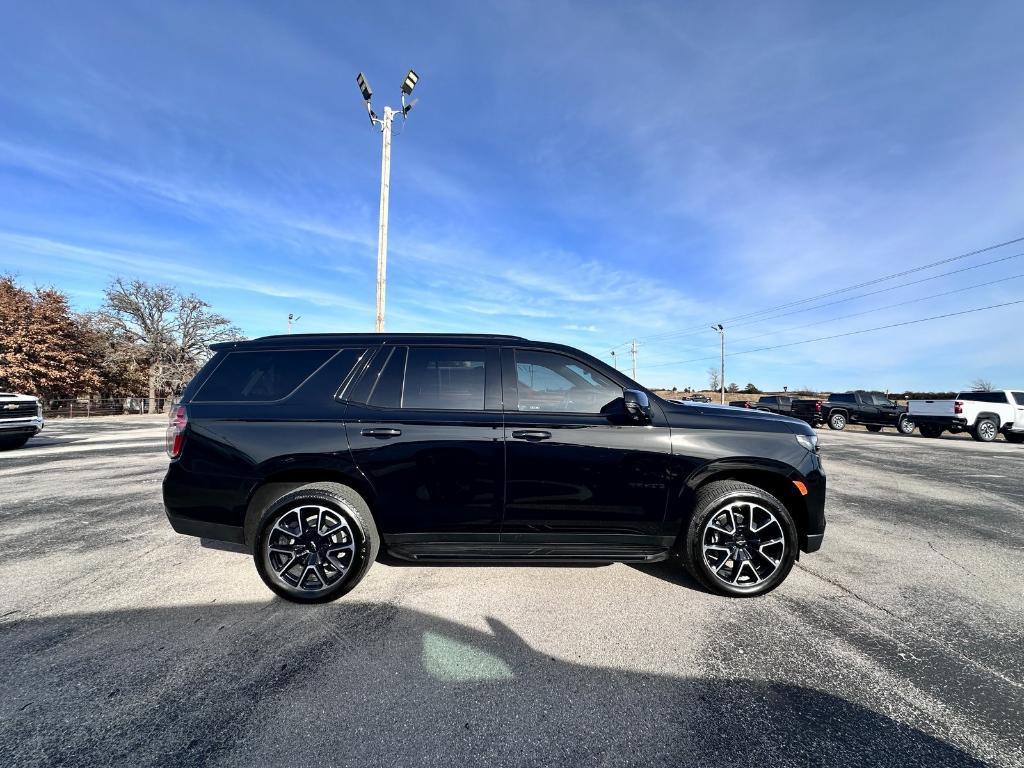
[318, 452]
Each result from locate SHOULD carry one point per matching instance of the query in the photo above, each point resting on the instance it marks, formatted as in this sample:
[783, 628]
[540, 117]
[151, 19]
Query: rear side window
[983, 397]
[444, 379]
[432, 378]
[261, 375]
[845, 398]
[1019, 397]
[769, 400]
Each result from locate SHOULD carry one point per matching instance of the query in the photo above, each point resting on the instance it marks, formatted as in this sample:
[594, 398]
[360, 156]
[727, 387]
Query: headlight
[810, 442]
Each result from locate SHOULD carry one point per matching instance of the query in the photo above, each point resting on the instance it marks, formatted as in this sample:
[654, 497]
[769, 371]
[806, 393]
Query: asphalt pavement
[900, 643]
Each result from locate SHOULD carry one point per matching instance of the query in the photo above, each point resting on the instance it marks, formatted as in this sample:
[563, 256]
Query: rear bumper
[204, 529]
[948, 423]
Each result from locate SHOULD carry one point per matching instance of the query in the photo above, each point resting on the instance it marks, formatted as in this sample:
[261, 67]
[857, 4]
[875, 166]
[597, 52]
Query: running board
[534, 553]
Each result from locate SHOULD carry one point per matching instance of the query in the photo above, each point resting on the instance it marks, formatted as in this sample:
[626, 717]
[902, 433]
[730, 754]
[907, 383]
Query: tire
[1014, 437]
[928, 431]
[872, 428]
[10, 443]
[985, 431]
[705, 550]
[305, 565]
[837, 422]
[905, 426]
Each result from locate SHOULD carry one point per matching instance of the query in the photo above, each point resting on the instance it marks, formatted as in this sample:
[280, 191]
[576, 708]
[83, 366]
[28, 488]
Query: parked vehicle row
[983, 414]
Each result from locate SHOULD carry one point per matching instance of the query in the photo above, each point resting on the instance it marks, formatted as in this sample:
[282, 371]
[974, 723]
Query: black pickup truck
[781, 404]
[870, 409]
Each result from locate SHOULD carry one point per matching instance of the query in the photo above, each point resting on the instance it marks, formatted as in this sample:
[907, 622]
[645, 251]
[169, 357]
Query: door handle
[383, 434]
[533, 435]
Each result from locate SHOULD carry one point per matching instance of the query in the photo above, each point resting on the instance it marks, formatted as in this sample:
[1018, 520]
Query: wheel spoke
[738, 571]
[771, 543]
[289, 564]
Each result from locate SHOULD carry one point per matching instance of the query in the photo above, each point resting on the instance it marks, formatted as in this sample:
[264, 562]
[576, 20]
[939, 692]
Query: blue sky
[584, 173]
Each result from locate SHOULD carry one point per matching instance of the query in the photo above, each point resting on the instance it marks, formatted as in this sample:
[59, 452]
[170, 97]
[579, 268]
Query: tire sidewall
[837, 422]
[905, 426]
[694, 541]
[344, 501]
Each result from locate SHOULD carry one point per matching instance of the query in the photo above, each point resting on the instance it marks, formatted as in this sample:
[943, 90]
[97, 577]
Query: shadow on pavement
[376, 684]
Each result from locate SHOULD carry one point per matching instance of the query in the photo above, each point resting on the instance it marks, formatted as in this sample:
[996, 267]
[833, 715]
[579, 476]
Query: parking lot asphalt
[900, 643]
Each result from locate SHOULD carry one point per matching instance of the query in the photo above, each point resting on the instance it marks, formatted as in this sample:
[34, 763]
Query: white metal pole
[632, 352]
[382, 241]
[721, 332]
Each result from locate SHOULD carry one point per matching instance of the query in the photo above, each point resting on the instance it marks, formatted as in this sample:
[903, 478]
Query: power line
[879, 309]
[842, 335]
[836, 291]
[869, 293]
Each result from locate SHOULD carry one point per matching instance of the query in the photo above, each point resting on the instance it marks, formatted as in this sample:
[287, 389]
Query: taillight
[178, 420]
[958, 407]
[817, 406]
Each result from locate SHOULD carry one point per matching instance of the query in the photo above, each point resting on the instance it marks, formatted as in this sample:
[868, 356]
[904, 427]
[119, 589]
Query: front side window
[261, 376]
[553, 383]
[881, 400]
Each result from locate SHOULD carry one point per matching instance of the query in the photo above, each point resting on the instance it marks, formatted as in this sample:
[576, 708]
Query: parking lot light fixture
[384, 123]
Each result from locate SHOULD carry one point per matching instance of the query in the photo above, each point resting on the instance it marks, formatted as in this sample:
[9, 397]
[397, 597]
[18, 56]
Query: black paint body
[490, 484]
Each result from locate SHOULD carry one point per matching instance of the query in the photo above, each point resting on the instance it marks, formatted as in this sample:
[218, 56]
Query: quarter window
[1019, 397]
[261, 376]
[554, 383]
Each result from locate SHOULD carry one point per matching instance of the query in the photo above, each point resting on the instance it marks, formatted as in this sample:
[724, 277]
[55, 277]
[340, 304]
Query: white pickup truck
[21, 416]
[983, 414]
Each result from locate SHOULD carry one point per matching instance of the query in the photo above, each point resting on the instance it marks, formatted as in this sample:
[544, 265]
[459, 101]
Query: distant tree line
[143, 339]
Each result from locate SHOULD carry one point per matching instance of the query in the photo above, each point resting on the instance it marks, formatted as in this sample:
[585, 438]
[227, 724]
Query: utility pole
[292, 319]
[384, 123]
[632, 354]
[615, 362]
[721, 369]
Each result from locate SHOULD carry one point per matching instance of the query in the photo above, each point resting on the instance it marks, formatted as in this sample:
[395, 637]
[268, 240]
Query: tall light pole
[632, 354]
[615, 362]
[721, 370]
[385, 177]
[292, 319]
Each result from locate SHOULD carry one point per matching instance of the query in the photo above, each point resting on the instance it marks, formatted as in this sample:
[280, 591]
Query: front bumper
[21, 427]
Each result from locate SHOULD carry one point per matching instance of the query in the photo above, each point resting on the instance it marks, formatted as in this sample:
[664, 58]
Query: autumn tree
[165, 332]
[42, 343]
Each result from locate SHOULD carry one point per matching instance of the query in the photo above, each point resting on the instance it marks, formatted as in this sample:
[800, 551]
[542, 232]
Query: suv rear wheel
[741, 540]
[315, 543]
[930, 431]
[872, 428]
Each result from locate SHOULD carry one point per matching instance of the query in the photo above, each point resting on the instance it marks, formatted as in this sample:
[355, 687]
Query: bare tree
[167, 332]
[982, 385]
[714, 380]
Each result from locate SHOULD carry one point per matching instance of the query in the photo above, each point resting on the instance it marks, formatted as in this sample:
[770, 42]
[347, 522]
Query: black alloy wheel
[741, 541]
[316, 543]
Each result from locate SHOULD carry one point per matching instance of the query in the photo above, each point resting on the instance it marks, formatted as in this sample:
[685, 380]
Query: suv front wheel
[315, 543]
[741, 540]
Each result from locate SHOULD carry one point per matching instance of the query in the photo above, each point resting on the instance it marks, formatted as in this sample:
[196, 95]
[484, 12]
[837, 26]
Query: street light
[721, 370]
[384, 122]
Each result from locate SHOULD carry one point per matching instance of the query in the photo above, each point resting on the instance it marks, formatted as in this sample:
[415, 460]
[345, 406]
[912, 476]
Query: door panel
[438, 473]
[572, 475]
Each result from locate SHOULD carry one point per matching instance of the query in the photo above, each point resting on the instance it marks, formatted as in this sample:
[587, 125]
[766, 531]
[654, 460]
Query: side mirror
[638, 405]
